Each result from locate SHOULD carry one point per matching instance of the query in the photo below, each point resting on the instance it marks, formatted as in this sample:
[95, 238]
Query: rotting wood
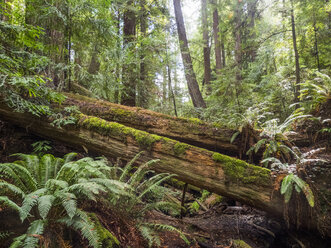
[217, 173]
[192, 131]
[205, 169]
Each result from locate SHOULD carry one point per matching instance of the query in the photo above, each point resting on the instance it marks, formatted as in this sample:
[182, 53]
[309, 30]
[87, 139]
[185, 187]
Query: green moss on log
[240, 244]
[106, 238]
[180, 148]
[144, 139]
[240, 171]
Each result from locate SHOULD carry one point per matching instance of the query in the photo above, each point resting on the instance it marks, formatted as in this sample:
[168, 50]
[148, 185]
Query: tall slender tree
[192, 83]
[296, 56]
[206, 47]
[217, 42]
[128, 96]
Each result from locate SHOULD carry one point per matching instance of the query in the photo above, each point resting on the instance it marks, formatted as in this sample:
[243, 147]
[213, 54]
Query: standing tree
[128, 96]
[206, 47]
[296, 55]
[192, 83]
[218, 46]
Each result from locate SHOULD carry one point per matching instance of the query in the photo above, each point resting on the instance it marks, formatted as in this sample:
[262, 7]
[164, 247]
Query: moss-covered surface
[142, 117]
[240, 244]
[180, 148]
[107, 239]
[144, 139]
[235, 170]
[240, 171]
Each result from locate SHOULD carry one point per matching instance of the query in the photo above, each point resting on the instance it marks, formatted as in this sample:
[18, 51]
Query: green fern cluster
[45, 191]
[146, 195]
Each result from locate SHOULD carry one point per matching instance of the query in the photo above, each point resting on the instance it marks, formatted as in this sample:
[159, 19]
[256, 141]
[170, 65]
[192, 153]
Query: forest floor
[222, 225]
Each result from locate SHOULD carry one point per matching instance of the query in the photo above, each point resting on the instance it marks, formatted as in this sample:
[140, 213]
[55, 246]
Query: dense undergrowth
[56, 196]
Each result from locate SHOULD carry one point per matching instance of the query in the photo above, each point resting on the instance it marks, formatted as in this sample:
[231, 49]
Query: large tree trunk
[206, 47]
[191, 131]
[142, 99]
[192, 83]
[296, 56]
[128, 96]
[218, 46]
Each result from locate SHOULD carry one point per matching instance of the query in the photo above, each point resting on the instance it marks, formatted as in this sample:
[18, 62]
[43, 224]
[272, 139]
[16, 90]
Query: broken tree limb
[192, 131]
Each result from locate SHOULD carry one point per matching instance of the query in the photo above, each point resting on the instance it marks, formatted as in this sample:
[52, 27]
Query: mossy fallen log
[221, 174]
[209, 170]
[192, 131]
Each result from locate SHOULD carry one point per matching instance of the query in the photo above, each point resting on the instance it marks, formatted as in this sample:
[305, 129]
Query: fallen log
[213, 171]
[205, 169]
[211, 136]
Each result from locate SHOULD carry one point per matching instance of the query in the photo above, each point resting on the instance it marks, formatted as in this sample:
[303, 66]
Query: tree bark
[252, 185]
[128, 96]
[142, 86]
[118, 66]
[218, 46]
[192, 83]
[206, 47]
[194, 132]
[217, 173]
[296, 55]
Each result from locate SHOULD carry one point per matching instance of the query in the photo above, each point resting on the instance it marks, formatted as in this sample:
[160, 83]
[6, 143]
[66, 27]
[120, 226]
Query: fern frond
[29, 202]
[5, 235]
[46, 168]
[113, 186]
[34, 232]
[69, 157]
[163, 227]
[31, 162]
[139, 174]
[4, 186]
[69, 202]
[155, 182]
[18, 241]
[150, 235]
[81, 223]
[45, 203]
[19, 176]
[128, 167]
[88, 189]
[5, 201]
[53, 184]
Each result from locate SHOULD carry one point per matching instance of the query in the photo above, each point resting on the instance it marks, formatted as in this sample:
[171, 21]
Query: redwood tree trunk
[218, 47]
[296, 55]
[142, 99]
[192, 83]
[128, 96]
[206, 47]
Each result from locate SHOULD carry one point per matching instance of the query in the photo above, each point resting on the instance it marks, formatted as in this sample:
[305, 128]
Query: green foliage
[274, 140]
[41, 147]
[316, 90]
[49, 188]
[291, 182]
[46, 191]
